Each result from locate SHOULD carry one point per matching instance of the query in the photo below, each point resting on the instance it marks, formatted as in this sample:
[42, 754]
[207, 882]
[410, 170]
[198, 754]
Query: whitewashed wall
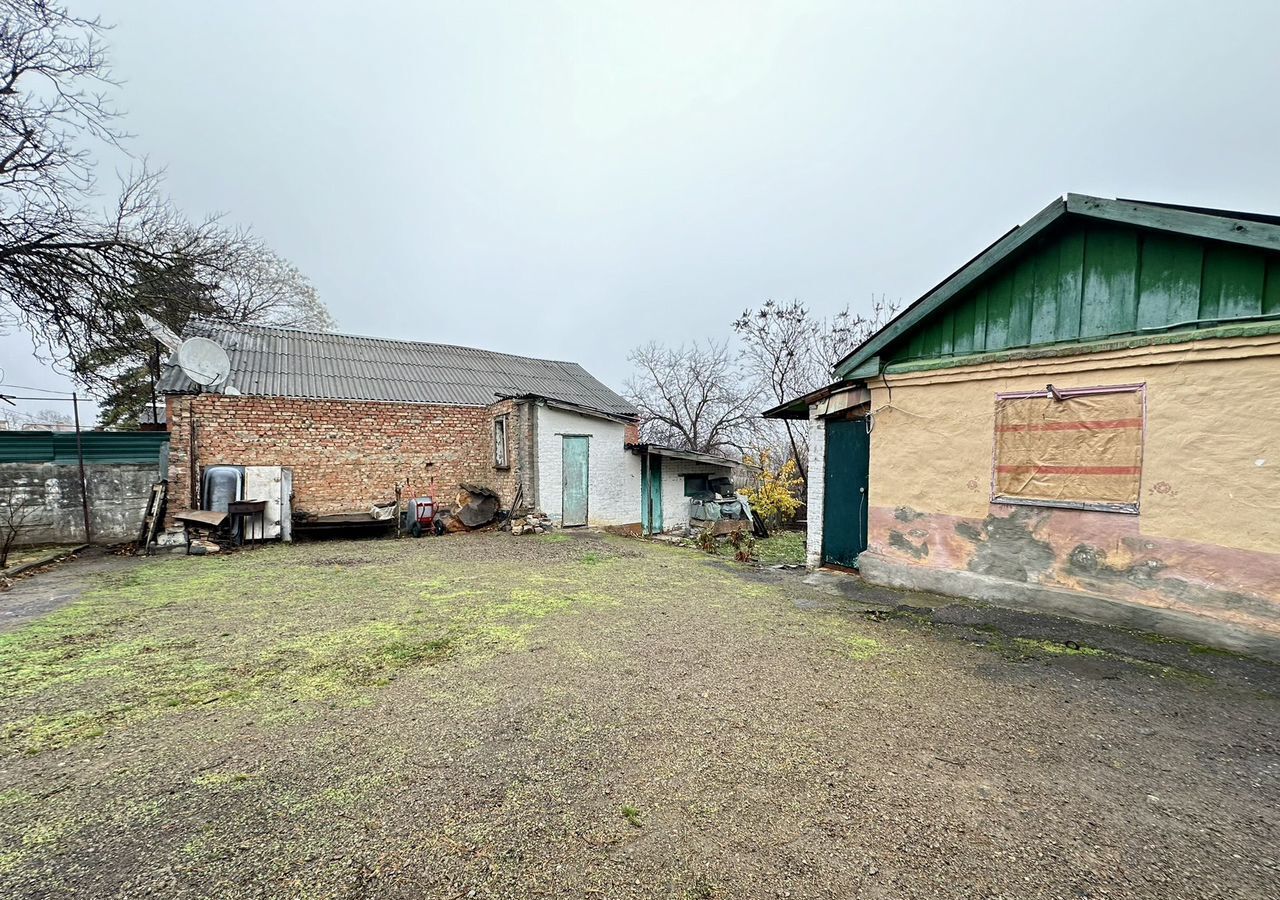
[817, 488]
[675, 505]
[613, 480]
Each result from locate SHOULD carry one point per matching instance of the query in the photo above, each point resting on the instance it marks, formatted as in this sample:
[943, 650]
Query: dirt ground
[579, 716]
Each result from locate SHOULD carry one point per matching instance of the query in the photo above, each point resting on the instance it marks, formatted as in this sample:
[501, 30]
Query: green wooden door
[576, 469]
[651, 495]
[844, 511]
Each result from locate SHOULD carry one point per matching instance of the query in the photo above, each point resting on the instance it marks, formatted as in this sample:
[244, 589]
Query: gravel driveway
[578, 716]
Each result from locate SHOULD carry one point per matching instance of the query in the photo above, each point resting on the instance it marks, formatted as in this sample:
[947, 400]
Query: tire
[416, 528]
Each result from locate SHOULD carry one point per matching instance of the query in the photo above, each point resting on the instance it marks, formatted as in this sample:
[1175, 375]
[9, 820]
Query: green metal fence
[100, 447]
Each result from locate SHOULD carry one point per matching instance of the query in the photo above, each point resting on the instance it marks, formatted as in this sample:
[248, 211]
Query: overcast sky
[572, 179]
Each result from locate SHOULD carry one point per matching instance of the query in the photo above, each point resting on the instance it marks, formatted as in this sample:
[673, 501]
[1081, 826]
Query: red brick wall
[345, 455]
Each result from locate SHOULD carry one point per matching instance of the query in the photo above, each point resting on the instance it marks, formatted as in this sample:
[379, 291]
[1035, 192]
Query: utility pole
[84, 482]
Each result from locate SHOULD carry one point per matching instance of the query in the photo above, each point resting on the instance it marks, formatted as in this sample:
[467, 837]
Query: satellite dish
[203, 361]
[160, 332]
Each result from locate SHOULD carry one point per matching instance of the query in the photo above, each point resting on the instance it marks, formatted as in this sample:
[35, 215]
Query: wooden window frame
[1066, 394]
[502, 449]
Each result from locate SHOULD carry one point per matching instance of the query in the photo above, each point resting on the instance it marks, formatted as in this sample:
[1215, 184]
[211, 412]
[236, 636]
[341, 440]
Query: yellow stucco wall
[1211, 458]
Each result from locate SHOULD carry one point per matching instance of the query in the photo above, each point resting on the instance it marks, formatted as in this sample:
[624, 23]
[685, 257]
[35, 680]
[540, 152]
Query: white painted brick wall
[675, 505]
[613, 479]
[817, 477]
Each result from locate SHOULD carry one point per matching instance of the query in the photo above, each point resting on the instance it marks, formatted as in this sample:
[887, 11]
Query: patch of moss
[14, 797]
[1057, 648]
[849, 641]
[37, 733]
[862, 648]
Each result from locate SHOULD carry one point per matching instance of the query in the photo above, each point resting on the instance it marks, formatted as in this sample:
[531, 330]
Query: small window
[1079, 448]
[695, 484]
[500, 442]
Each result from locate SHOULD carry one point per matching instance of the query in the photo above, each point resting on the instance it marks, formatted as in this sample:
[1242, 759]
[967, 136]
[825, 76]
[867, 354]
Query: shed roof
[1229, 226]
[269, 361]
[709, 459]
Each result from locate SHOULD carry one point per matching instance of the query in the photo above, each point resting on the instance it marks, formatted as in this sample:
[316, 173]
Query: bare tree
[790, 352]
[255, 284]
[51, 416]
[16, 507]
[693, 397]
[251, 285]
[64, 257]
[76, 269]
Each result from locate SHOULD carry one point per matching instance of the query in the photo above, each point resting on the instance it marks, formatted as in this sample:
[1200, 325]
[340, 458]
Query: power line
[27, 387]
[67, 399]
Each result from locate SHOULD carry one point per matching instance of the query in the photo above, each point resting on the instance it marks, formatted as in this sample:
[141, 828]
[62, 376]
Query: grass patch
[267, 629]
[632, 815]
[781, 548]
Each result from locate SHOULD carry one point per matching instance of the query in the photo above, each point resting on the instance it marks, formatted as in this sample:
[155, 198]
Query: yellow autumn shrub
[774, 491]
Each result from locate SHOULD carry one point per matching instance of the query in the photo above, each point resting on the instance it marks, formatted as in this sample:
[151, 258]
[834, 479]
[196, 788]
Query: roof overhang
[1218, 225]
[572, 407]
[709, 459]
[829, 399]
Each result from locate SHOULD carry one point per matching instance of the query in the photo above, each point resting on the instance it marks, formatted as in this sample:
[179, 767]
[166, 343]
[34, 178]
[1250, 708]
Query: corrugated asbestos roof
[286, 362]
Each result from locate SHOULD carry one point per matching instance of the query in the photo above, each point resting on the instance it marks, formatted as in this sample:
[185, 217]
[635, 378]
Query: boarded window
[500, 442]
[1079, 448]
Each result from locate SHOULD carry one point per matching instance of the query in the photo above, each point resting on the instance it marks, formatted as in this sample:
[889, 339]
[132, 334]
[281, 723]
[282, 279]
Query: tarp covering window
[1077, 448]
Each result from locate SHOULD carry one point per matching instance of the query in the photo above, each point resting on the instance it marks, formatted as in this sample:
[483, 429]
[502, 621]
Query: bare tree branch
[790, 352]
[693, 397]
[77, 275]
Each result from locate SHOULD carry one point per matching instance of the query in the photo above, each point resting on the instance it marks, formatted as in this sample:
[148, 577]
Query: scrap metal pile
[721, 509]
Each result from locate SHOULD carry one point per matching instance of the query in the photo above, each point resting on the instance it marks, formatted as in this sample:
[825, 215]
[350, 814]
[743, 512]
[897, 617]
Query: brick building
[354, 417]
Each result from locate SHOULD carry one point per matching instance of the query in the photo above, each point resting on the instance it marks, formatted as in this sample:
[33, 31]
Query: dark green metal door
[844, 511]
[576, 469]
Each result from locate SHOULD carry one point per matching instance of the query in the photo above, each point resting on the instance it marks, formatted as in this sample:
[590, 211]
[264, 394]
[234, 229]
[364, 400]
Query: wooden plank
[1233, 282]
[1218, 228]
[1169, 280]
[915, 346]
[999, 301]
[980, 319]
[1271, 288]
[929, 339]
[1020, 300]
[1044, 298]
[1070, 285]
[962, 334]
[1109, 302]
[946, 332]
